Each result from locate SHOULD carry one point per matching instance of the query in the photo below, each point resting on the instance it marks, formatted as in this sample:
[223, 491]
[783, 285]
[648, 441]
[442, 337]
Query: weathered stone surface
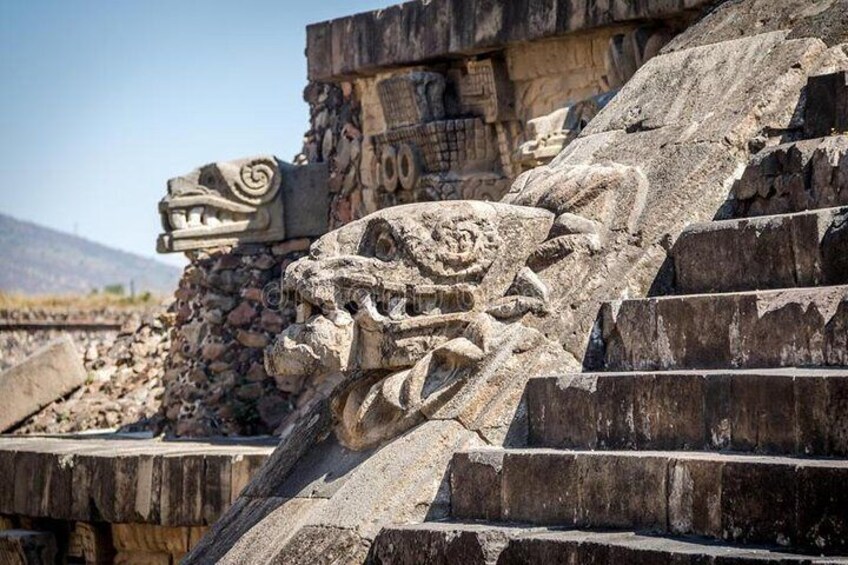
[403, 482]
[785, 411]
[476, 499]
[417, 291]
[439, 544]
[793, 177]
[416, 31]
[662, 154]
[658, 157]
[243, 201]
[125, 481]
[646, 103]
[827, 105]
[805, 18]
[22, 547]
[306, 195]
[214, 383]
[48, 374]
[738, 498]
[762, 253]
[475, 544]
[779, 328]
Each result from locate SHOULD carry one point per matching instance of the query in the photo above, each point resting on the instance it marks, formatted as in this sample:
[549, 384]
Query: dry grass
[12, 301]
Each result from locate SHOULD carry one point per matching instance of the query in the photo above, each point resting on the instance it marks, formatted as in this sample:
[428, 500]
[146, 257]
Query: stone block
[776, 501]
[412, 98]
[414, 31]
[540, 487]
[762, 416]
[786, 328]
[24, 547]
[607, 495]
[822, 509]
[615, 399]
[182, 489]
[694, 498]
[815, 421]
[830, 414]
[562, 411]
[668, 412]
[793, 177]
[438, 544]
[792, 412]
[725, 72]
[826, 112]
[306, 200]
[49, 374]
[759, 501]
[478, 543]
[476, 485]
[762, 253]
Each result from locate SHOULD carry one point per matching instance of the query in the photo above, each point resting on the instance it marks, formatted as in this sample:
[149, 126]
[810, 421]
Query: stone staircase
[714, 428]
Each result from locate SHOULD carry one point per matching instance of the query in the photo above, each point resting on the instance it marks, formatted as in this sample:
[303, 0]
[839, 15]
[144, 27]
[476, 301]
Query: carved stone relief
[242, 201]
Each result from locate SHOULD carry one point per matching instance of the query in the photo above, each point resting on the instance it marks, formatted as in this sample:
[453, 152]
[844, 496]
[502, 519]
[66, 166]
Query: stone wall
[335, 138]
[468, 120]
[227, 310]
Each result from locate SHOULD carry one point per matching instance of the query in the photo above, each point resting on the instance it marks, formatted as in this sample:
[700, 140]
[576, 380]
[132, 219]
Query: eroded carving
[242, 201]
[549, 134]
[408, 303]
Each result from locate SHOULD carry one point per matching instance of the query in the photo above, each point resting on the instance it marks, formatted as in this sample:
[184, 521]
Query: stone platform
[107, 495]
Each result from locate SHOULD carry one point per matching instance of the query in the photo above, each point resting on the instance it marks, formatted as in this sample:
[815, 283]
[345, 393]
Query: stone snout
[243, 201]
[384, 305]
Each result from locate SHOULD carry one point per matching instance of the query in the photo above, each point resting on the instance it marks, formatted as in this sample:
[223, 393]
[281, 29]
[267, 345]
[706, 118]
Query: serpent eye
[385, 247]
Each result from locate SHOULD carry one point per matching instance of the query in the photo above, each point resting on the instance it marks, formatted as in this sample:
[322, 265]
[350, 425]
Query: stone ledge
[777, 411]
[795, 503]
[419, 31]
[473, 544]
[171, 483]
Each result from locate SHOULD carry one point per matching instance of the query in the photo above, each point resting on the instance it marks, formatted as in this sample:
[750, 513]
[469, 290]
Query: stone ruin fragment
[631, 352]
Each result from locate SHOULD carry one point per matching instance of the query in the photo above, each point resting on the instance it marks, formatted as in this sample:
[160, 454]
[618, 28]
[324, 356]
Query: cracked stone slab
[777, 411]
[780, 501]
[48, 374]
[778, 328]
[768, 252]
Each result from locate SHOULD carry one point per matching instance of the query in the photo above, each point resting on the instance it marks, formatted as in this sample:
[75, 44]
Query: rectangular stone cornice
[424, 30]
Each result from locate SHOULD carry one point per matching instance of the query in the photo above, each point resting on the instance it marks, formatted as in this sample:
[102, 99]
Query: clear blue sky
[103, 100]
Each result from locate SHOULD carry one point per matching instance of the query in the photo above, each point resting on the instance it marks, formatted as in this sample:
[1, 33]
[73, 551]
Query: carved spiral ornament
[258, 182]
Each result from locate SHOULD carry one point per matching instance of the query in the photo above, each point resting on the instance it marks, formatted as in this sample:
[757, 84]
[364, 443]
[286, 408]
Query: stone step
[792, 250]
[789, 502]
[448, 543]
[795, 176]
[803, 327]
[776, 411]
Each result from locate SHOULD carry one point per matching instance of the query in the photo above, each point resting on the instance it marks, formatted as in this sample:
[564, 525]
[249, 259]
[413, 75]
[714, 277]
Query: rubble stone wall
[125, 365]
[227, 310]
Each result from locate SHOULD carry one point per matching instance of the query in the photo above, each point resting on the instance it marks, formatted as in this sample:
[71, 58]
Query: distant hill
[39, 260]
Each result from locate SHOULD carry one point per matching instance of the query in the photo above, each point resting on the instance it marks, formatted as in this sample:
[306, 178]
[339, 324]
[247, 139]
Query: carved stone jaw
[380, 294]
[221, 204]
